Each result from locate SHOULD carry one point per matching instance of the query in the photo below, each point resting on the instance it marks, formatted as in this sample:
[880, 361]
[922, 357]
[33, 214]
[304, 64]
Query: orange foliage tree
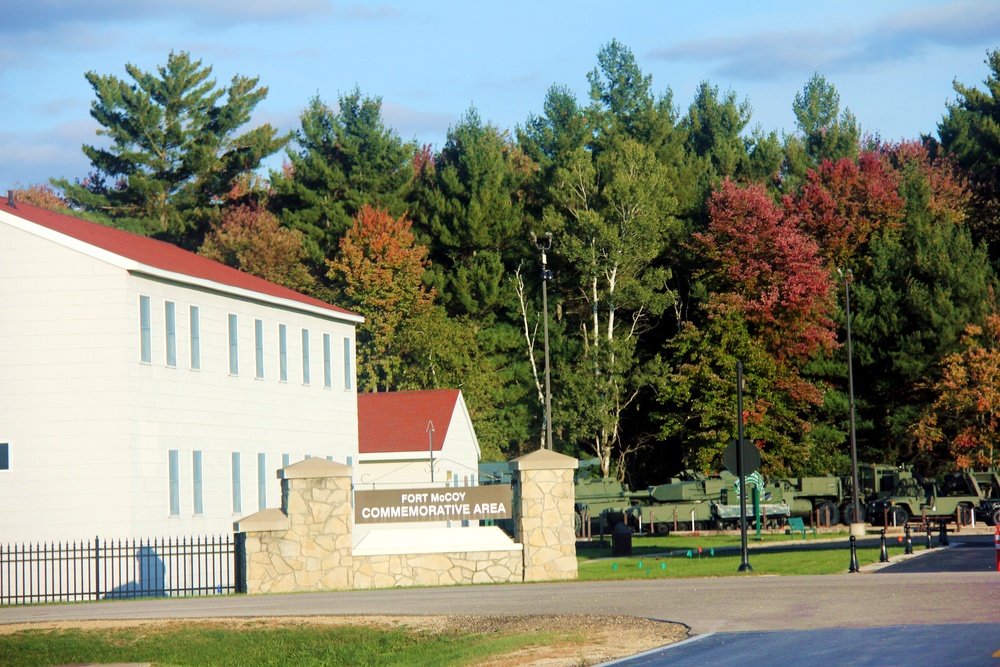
[963, 423]
[250, 239]
[380, 270]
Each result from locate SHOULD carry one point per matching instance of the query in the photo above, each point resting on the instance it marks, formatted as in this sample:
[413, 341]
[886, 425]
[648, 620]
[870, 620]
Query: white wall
[90, 427]
[63, 391]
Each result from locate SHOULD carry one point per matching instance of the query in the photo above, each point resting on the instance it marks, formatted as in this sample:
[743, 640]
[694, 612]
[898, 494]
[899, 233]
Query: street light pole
[546, 276]
[856, 520]
[430, 445]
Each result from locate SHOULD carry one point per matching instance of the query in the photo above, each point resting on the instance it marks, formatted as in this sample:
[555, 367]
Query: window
[305, 356]
[4, 456]
[199, 507]
[261, 481]
[237, 485]
[258, 337]
[195, 338]
[283, 352]
[327, 373]
[285, 460]
[170, 316]
[175, 483]
[348, 372]
[234, 346]
[145, 336]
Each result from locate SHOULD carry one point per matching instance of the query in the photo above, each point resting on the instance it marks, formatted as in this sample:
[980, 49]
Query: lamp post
[857, 525]
[546, 276]
[430, 445]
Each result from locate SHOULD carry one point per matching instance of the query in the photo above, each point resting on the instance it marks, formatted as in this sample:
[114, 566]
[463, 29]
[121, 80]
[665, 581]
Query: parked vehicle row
[889, 495]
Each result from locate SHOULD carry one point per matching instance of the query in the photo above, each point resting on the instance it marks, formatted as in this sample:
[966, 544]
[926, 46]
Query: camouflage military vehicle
[595, 497]
[957, 492]
[696, 501]
[814, 496]
[989, 505]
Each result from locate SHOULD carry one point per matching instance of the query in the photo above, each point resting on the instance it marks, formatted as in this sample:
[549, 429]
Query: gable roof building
[148, 391]
[401, 433]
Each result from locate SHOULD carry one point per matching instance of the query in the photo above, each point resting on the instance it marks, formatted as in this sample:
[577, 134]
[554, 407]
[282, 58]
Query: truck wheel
[829, 515]
[899, 516]
[996, 516]
[847, 514]
[662, 528]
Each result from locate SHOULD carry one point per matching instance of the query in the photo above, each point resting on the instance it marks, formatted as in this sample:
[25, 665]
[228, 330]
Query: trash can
[621, 540]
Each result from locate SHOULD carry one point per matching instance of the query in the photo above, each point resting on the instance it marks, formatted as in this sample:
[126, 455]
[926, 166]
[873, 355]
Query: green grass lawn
[263, 644]
[690, 556]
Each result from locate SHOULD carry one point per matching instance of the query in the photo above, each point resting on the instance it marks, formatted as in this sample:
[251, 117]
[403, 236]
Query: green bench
[796, 525]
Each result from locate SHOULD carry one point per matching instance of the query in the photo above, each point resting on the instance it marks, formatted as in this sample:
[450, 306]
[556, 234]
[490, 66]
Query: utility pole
[857, 522]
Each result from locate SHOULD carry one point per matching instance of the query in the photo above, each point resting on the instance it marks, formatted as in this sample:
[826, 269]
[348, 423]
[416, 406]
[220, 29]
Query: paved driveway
[742, 603]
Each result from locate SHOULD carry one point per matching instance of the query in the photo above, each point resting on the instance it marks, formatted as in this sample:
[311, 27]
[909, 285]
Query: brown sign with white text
[460, 503]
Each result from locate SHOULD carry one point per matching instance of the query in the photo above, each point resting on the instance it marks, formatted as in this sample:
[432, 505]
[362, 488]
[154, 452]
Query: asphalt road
[959, 590]
[947, 645]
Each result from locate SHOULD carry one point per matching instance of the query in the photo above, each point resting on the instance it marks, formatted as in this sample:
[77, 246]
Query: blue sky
[893, 61]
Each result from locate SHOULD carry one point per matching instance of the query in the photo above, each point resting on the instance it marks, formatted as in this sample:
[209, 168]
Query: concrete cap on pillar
[544, 459]
[314, 467]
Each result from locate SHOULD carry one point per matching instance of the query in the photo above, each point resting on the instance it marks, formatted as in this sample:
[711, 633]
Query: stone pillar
[543, 511]
[307, 545]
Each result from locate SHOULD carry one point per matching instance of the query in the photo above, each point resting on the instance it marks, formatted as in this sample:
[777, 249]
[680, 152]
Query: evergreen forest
[677, 241]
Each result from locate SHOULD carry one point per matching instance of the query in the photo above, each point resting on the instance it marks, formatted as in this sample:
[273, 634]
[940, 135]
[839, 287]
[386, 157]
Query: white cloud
[430, 127]
[845, 47]
[44, 15]
[34, 157]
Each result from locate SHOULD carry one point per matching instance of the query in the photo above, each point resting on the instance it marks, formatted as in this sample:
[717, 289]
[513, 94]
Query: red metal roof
[156, 254]
[396, 421]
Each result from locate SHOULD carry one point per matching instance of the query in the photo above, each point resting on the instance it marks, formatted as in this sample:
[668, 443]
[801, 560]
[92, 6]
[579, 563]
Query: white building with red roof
[405, 437]
[146, 391]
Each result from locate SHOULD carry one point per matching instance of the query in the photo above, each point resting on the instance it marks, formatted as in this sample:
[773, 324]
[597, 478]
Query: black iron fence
[108, 569]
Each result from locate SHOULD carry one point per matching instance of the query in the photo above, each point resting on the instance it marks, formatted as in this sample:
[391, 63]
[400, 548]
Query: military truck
[989, 505]
[813, 497]
[595, 496]
[958, 493]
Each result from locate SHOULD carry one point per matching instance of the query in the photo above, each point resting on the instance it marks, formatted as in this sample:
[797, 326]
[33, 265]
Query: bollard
[929, 545]
[909, 542]
[884, 555]
[854, 555]
[943, 534]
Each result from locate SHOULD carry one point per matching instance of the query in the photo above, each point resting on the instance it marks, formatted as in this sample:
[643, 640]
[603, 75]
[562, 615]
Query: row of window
[198, 481]
[194, 314]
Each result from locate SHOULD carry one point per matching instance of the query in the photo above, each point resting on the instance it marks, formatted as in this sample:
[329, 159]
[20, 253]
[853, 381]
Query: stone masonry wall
[438, 569]
[543, 514]
[307, 545]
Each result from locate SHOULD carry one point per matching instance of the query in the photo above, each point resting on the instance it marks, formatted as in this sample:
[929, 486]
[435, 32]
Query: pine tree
[345, 159]
[174, 147]
[970, 132]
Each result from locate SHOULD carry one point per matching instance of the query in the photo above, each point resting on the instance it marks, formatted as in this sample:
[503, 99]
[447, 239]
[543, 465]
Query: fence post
[97, 567]
[240, 558]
